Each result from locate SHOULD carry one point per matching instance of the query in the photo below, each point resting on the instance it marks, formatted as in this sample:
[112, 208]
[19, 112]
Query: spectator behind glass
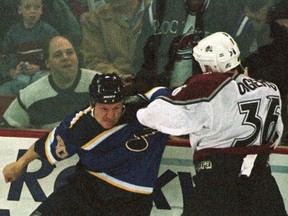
[251, 29]
[44, 103]
[257, 12]
[23, 46]
[60, 15]
[169, 32]
[110, 34]
[270, 62]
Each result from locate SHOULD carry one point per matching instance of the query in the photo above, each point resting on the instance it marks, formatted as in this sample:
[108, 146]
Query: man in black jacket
[270, 62]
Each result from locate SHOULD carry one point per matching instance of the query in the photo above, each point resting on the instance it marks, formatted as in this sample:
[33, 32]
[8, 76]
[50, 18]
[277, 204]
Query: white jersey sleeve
[175, 120]
[219, 110]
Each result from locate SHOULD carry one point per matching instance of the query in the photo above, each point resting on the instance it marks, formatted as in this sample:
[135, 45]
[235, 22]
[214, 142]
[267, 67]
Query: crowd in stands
[44, 103]
[23, 47]
[149, 41]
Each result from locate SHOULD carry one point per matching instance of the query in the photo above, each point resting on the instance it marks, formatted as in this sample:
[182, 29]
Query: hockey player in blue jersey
[119, 158]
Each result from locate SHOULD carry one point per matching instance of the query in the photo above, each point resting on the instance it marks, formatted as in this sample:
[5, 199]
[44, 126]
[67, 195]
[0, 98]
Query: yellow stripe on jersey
[99, 138]
[78, 115]
[48, 142]
[121, 184]
[152, 91]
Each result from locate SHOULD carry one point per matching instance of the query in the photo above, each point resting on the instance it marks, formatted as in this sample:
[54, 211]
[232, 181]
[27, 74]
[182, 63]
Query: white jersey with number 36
[219, 110]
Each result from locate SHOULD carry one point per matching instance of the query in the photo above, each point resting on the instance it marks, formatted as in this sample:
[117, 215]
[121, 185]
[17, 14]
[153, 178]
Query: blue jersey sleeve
[59, 144]
[154, 93]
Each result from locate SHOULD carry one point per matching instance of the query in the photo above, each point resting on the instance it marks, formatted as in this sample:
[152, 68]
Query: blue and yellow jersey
[126, 156]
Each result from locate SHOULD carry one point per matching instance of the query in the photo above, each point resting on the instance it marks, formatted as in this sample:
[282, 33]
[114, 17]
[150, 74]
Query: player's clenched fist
[12, 171]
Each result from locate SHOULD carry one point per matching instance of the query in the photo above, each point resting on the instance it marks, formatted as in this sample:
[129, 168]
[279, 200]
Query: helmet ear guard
[106, 88]
[219, 51]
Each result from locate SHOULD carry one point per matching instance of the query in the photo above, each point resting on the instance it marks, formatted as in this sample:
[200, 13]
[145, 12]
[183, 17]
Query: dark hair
[47, 44]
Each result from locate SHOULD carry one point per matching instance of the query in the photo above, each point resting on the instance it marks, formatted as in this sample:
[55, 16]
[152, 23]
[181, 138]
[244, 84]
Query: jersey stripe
[98, 139]
[260, 149]
[121, 184]
[78, 115]
[48, 143]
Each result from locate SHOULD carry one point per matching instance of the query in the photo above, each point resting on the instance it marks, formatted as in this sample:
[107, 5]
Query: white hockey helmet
[219, 51]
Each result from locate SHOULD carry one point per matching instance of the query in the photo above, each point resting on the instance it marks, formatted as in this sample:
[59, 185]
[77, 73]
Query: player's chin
[108, 125]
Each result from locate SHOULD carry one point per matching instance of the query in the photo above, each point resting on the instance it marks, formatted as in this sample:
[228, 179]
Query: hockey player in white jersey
[233, 122]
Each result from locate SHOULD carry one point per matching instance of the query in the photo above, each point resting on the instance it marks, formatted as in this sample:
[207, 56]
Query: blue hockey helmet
[106, 88]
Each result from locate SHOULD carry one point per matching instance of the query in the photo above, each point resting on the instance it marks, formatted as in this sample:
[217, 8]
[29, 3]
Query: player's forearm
[29, 156]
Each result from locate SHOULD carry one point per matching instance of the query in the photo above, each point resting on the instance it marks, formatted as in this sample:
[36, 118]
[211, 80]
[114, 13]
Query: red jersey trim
[262, 149]
[201, 87]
